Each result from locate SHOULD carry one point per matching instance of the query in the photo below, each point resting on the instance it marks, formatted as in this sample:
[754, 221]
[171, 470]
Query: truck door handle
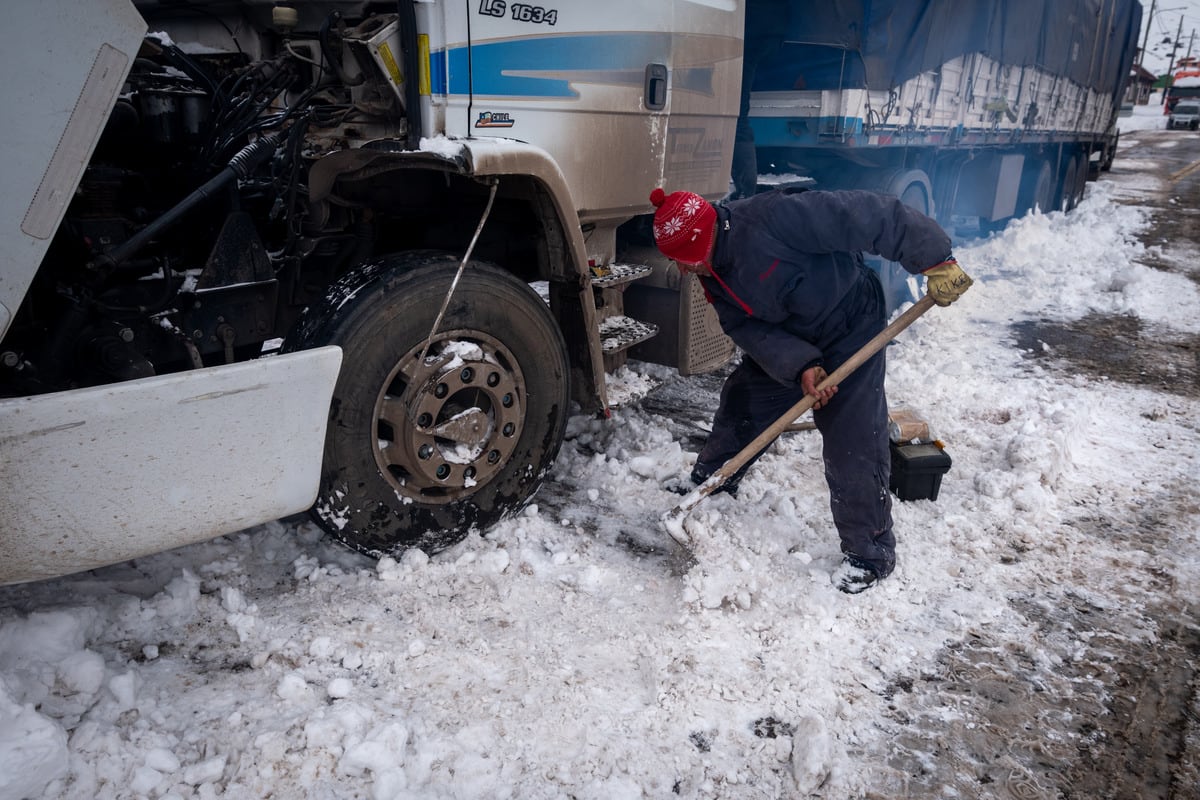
[656, 87]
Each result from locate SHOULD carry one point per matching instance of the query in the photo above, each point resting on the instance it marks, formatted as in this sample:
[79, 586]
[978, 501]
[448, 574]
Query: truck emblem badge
[494, 119]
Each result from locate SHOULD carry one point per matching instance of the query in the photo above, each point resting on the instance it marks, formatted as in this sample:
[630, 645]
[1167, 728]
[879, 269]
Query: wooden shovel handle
[718, 478]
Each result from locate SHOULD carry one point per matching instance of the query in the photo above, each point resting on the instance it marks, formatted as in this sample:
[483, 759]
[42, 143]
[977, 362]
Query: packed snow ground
[547, 659]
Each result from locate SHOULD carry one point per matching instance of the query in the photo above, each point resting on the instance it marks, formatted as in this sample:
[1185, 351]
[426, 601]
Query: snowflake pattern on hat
[669, 228]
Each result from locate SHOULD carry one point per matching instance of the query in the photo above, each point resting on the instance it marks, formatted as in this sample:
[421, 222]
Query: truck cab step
[613, 275]
[618, 333]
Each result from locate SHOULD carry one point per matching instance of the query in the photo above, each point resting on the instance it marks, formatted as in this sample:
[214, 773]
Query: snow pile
[1148, 116]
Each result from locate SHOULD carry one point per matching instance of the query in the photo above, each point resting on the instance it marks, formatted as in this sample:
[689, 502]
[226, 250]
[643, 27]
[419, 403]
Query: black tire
[420, 452]
[1066, 192]
[1110, 153]
[1037, 188]
[1072, 184]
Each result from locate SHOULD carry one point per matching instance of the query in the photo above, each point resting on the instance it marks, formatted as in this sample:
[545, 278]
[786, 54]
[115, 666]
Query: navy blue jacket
[788, 266]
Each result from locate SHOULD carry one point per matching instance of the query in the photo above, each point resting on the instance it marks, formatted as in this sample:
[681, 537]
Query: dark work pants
[853, 429]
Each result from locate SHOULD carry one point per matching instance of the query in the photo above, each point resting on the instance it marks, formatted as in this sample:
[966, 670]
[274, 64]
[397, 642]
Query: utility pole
[1175, 45]
[1146, 38]
[1170, 81]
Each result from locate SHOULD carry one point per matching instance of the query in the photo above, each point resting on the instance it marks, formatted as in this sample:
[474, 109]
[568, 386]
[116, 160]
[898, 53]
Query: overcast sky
[1163, 27]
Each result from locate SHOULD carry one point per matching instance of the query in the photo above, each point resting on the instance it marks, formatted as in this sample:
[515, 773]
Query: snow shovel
[673, 520]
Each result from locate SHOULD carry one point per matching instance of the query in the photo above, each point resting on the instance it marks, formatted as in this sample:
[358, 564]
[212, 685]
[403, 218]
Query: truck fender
[496, 158]
[499, 157]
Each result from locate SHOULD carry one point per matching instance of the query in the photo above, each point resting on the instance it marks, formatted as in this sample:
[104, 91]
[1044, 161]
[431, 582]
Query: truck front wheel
[431, 437]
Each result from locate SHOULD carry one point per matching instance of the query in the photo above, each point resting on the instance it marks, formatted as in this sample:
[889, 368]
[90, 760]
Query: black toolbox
[917, 470]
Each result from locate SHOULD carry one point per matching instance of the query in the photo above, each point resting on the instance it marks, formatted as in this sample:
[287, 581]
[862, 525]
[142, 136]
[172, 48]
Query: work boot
[701, 473]
[854, 576]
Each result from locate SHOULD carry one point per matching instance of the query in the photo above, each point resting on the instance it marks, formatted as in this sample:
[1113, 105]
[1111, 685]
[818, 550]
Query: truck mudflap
[95, 476]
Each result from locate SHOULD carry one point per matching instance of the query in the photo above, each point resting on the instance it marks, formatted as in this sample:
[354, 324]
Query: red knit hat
[684, 225]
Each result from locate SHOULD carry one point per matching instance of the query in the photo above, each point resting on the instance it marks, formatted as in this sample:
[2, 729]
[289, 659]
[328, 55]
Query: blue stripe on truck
[508, 68]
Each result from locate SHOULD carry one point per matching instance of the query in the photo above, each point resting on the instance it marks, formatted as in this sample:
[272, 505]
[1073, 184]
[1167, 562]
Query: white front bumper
[100, 475]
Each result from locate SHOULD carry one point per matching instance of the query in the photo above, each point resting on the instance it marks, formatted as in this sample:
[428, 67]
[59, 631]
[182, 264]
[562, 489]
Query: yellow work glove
[946, 282]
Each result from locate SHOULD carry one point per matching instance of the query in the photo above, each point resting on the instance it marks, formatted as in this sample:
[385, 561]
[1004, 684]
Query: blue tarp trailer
[975, 112]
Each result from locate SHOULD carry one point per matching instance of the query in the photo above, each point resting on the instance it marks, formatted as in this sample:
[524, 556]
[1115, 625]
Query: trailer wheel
[1038, 189]
[1074, 180]
[421, 450]
[1110, 153]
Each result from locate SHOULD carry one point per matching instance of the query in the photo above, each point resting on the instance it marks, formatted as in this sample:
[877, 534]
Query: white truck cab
[263, 257]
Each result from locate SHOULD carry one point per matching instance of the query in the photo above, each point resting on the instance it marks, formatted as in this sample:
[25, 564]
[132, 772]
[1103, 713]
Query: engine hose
[454, 283]
[327, 50]
[240, 167]
[253, 155]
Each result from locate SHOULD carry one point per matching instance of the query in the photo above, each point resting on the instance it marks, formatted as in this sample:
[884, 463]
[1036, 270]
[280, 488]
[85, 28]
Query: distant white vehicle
[1184, 115]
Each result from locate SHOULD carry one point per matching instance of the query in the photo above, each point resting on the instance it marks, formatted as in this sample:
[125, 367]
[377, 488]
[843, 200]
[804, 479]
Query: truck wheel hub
[446, 424]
